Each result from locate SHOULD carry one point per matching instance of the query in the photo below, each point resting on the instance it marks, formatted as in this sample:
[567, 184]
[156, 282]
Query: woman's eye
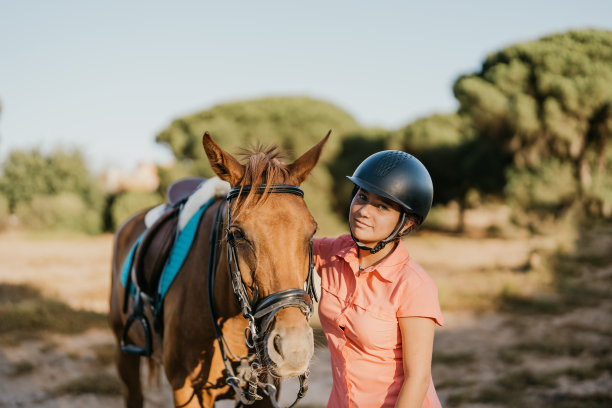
[382, 207]
[361, 197]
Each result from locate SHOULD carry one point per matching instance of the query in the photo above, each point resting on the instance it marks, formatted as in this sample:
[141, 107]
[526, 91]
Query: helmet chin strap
[392, 237]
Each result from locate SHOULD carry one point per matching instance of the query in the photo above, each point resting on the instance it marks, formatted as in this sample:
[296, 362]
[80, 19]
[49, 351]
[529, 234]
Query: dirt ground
[485, 356]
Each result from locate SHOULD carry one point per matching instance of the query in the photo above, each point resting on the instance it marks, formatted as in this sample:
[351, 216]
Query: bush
[26, 174]
[549, 187]
[64, 211]
[4, 212]
[354, 148]
[127, 204]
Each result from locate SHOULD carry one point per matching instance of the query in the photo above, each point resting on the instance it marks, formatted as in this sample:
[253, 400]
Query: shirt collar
[386, 269]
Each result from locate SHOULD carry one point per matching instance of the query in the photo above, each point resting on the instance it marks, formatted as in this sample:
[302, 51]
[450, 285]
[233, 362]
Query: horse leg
[128, 366]
[187, 397]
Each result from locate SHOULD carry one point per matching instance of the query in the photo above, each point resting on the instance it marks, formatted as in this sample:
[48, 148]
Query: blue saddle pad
[177, 257]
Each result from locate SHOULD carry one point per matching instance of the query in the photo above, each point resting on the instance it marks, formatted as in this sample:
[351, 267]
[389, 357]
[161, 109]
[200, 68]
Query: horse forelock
[263, 166]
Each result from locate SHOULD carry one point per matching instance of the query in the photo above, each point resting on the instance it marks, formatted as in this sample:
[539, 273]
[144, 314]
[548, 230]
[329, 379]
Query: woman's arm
[417, 347]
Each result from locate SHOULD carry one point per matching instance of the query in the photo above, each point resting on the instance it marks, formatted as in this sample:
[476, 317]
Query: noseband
[259, 313]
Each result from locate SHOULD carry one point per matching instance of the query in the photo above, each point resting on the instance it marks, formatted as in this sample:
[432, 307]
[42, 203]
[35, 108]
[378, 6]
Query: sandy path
[76, 270]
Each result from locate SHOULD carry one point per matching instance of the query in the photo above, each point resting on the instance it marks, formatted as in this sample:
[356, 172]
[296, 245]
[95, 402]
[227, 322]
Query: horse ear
[301, 167]
[222, 163]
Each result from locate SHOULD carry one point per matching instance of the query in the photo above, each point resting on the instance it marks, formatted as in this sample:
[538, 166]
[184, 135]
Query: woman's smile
[361, 224]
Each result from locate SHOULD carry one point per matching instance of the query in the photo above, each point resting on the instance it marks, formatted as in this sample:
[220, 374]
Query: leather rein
[259, 313]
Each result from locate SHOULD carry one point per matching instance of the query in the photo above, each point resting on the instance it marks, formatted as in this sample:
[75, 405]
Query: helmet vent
[388, 162]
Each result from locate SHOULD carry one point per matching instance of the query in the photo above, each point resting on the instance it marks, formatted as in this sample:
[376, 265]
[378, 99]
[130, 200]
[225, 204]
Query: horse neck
[225, 300]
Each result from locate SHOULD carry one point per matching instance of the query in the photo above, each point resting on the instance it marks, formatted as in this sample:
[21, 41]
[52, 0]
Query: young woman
[378, 307]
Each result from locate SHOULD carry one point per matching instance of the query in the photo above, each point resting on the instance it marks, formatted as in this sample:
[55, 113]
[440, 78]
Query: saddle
[158, 254]
[158, 240]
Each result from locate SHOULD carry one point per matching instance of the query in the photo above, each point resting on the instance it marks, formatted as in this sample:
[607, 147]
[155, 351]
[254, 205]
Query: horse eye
[237, 234]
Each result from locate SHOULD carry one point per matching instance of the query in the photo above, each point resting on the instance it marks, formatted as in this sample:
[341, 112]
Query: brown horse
[270, 232]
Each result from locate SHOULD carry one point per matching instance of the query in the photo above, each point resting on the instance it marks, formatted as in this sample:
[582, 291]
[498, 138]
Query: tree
[293, 124]
[128, 204]
[354, 148]
[456, 159]
[23, 176]
[30, 178]
[28, 173]
[547, 103]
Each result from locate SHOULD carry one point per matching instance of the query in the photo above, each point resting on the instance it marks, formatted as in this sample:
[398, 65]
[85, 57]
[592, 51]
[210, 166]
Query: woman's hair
[416, 223]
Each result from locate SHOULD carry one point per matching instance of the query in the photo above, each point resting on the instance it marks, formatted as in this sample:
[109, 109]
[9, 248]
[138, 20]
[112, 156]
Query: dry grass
[552, 348]
[100, 384]
[21, 367]
[24, 313]
[105, 353]
[528, 318]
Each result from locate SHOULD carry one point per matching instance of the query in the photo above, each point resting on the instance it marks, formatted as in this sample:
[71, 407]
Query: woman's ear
[410, 222]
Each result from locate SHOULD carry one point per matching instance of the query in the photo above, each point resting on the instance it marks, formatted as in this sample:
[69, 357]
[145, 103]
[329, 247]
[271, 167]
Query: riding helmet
[399, 177]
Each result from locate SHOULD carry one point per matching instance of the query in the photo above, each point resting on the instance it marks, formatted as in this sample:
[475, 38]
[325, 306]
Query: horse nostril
[277, 345]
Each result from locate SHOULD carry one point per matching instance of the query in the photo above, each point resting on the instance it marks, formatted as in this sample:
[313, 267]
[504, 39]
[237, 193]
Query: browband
[261, 188]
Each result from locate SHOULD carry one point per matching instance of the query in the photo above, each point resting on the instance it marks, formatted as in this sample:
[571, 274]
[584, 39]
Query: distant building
[143, 179]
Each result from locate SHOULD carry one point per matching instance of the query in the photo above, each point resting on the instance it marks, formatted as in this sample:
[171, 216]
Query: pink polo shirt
[366, 356]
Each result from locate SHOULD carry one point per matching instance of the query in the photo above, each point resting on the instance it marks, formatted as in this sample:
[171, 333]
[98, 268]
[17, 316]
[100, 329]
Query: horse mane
[262, 166]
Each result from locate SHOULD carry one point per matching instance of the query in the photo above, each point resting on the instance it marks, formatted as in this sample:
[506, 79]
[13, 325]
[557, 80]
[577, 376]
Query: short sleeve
[419, 298]
[322, 249]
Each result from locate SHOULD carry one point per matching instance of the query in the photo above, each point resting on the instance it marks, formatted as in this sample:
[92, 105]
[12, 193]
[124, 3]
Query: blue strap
[179, 252]
[127, 265]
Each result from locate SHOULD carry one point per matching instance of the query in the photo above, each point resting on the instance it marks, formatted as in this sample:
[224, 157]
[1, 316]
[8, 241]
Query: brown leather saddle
[157, 242]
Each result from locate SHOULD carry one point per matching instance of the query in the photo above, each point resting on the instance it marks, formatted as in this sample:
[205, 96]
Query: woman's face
[372, 218]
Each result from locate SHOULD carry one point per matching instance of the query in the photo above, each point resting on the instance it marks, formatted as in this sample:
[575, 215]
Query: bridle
[259, 313]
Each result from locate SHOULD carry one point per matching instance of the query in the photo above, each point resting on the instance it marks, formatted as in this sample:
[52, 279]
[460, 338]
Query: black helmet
[398, 176]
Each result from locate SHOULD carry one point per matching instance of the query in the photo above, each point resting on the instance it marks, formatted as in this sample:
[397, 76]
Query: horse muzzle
[289, 346]
[288, 339]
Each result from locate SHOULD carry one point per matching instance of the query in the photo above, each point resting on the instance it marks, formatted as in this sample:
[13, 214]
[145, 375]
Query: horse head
[271, 236]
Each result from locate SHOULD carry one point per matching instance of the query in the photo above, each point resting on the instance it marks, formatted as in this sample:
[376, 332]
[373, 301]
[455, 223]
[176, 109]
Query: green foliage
[23, 176]
[294, 124]
[547, 103]
[437, 141]
[548, 187]
[433, 132]
[598, 193]
[64, 211]
[318, 196]
[178, 170]
[128, 204]
[29, 173]
[4, 212]
[52, 192]
[354, 148]
[458, 162]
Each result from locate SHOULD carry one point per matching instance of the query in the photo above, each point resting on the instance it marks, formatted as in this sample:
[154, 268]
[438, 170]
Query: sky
[106, 77]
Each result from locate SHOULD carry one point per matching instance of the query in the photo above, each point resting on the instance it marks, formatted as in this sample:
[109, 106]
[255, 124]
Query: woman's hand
[417, 347]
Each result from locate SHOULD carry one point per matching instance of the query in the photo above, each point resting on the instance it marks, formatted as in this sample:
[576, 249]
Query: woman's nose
[364, 210]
